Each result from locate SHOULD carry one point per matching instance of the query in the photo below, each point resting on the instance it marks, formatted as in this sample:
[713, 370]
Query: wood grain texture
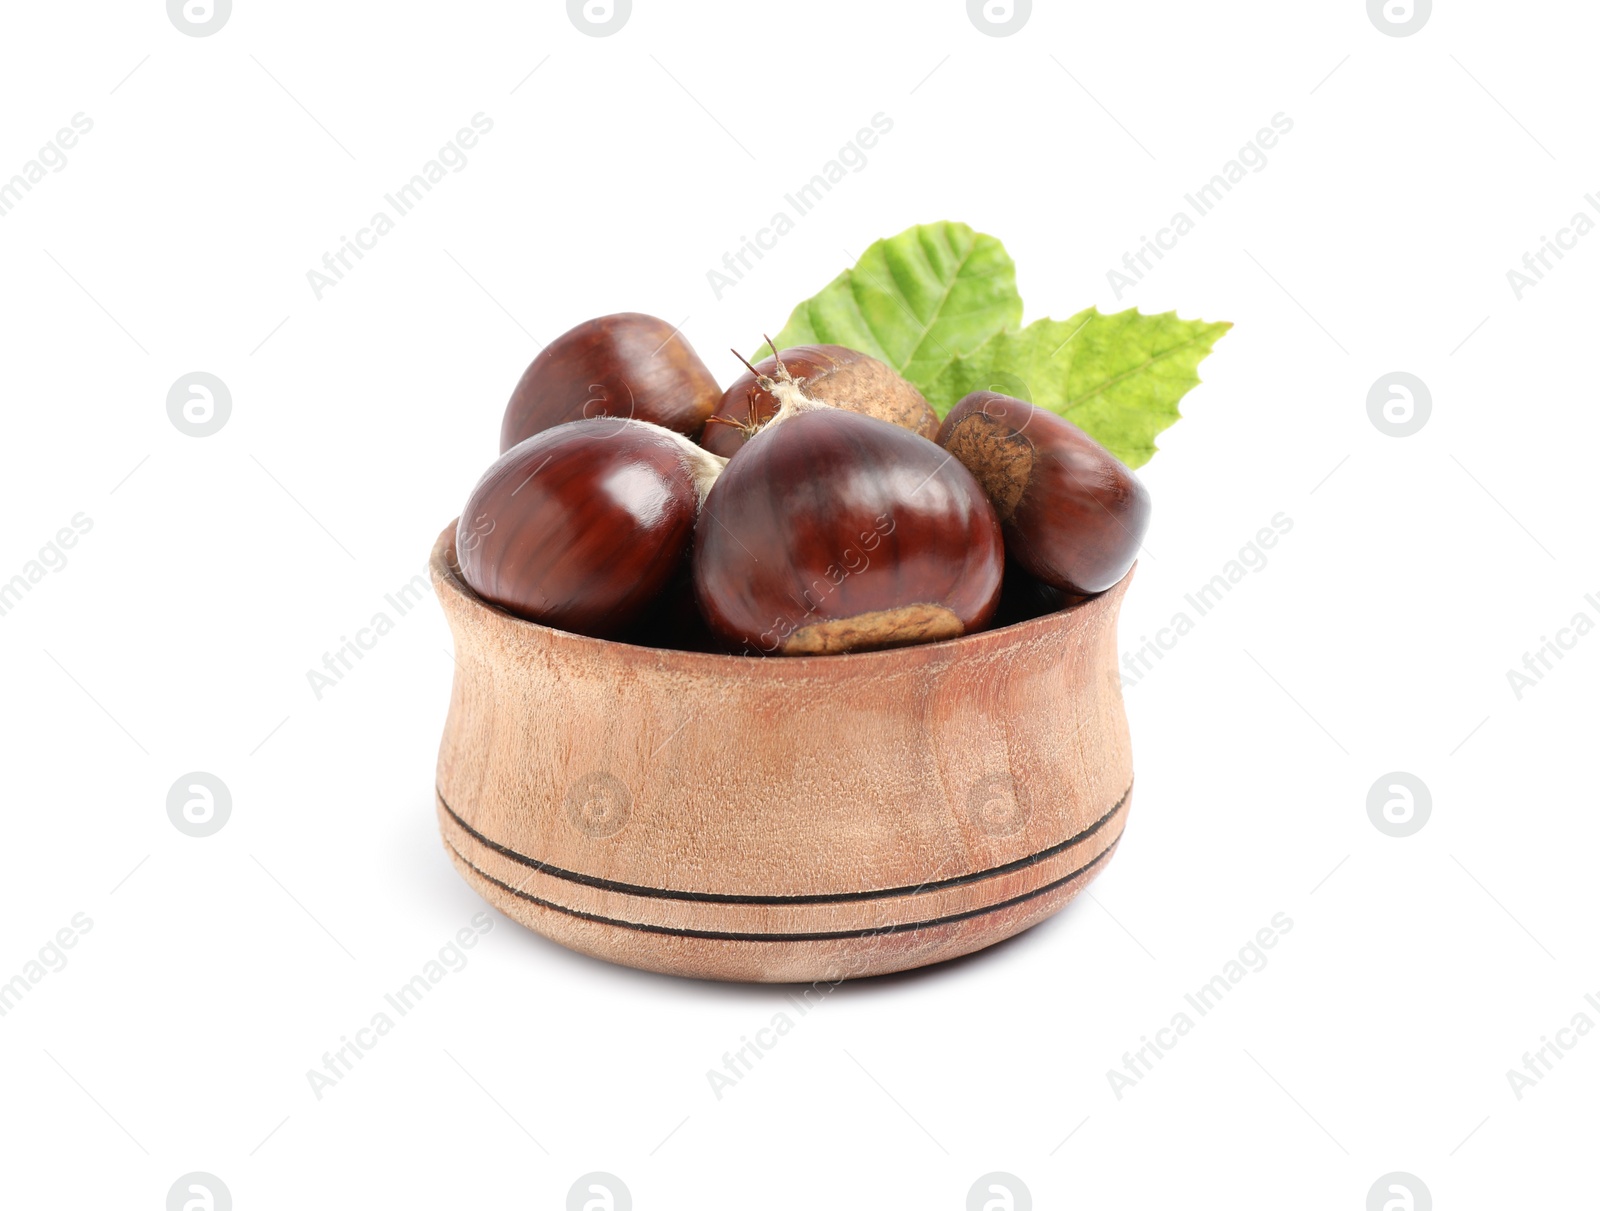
[790, 819]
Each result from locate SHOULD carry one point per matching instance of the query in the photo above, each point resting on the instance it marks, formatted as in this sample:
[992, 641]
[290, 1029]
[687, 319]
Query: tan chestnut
[626, 365]
[844, 377]
[1073, 516]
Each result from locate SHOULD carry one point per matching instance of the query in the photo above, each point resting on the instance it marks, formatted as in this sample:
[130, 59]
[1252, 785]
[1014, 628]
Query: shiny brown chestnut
[583, 526]
[626, 365]
[1073, 515]
[843, 377]
[836, 532]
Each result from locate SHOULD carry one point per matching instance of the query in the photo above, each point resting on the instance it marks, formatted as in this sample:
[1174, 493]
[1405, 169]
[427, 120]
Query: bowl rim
[442, 563]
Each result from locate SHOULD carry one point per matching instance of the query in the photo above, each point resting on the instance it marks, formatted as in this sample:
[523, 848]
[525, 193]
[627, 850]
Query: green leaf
[915, 300]
[1117, 377]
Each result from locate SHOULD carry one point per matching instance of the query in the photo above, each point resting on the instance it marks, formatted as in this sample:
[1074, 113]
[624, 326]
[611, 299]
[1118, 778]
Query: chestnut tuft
[837, 532]
[626, 365]
[844, 377]
[583, 526]
[1073, 515]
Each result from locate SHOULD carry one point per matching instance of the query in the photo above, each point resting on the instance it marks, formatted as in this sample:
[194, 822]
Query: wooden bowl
[791, 819]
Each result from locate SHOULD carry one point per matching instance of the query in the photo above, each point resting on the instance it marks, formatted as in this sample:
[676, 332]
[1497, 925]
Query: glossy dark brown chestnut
[843, 377]
[582, 526]
[1073, 515]
[626, 365]
[837, 532]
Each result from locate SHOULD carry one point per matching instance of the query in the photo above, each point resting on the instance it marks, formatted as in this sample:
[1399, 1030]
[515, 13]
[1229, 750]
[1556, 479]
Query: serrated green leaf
[915, 300]
[1117, 377]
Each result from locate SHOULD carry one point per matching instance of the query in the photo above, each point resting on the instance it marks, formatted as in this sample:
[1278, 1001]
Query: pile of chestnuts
[817, 506]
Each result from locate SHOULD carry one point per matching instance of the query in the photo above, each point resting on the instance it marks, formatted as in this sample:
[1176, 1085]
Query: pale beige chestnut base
[791, 819]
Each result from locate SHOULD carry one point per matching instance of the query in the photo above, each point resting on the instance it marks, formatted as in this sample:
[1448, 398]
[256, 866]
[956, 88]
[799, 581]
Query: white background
[219, 570]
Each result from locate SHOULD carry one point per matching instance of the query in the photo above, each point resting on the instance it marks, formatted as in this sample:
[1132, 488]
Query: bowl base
[781, 940]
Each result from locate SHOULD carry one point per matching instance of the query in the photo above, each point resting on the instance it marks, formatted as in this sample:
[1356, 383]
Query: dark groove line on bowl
[828, 936]
[845, 897]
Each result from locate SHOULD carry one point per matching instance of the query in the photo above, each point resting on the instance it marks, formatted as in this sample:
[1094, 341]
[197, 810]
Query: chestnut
[844, 377]
[626, 365]
[583, 526]
[1073, 516]
[834, 532]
